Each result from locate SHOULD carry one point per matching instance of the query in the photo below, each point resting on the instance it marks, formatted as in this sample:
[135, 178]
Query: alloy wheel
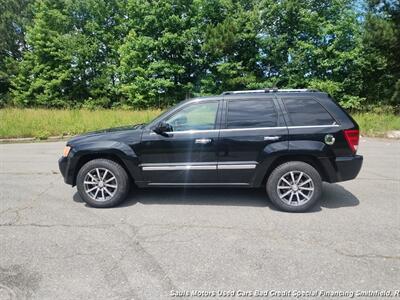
[100, 184]
[295, 188]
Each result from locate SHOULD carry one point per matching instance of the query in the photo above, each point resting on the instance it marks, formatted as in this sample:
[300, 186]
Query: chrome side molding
[236, 167]
[198, 166]
[180, 168]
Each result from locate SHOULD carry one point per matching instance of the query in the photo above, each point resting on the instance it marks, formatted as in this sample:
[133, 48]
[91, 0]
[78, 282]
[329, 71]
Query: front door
[186, 155]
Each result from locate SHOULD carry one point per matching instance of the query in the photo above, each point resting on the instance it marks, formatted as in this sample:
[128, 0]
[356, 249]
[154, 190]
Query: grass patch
[42, 123]
[377, 124]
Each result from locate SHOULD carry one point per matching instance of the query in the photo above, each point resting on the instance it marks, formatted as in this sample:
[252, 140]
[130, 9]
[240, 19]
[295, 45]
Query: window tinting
[251, 113]
[199, 116]
[307, 112]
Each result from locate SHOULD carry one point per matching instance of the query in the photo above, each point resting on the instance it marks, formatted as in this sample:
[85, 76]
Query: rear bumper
[347, 168]
[64, 165]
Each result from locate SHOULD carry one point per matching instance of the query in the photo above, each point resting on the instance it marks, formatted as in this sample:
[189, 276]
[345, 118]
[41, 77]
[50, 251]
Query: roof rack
[268, 91]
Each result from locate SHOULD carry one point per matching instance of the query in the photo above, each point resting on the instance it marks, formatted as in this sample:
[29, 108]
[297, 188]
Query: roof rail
[268, 91]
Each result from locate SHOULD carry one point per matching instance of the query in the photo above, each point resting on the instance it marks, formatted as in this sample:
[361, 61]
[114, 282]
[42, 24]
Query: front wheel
[294, 186]
[102, 183]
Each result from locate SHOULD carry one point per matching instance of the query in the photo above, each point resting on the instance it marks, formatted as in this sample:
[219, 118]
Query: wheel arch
[84, 158]
[309, 159]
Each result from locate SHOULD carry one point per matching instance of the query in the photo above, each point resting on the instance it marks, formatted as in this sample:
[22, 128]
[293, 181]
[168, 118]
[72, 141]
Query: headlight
[66, 151]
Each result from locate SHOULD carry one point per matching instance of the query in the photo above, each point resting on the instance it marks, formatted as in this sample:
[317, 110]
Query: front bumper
[348, 167]
[66, 170]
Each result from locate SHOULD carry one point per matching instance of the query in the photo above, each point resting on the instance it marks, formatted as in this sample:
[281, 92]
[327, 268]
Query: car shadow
[334, 196]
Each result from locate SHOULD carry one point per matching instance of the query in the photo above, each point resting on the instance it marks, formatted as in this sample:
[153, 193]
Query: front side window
[307, 112]
[198, 116]
[251, 113]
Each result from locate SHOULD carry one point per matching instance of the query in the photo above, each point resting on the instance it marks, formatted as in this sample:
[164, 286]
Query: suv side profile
[289, 141]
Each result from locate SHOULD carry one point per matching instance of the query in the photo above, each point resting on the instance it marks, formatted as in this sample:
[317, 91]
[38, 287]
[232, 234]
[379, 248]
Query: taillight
[352, 137]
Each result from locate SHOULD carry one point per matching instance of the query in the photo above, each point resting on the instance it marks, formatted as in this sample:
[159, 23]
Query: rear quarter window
[307, 112]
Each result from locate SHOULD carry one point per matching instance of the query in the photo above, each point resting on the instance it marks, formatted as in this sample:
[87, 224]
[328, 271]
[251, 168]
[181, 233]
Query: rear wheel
[102, 183]
[294, 186]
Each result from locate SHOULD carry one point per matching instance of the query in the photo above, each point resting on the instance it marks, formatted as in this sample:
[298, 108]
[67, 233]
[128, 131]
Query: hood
[116, 133]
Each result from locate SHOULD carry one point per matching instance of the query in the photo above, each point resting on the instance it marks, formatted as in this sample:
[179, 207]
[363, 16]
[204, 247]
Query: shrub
[352, 103]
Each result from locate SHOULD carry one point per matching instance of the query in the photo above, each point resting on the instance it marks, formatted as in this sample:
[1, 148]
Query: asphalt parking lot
[165, 242]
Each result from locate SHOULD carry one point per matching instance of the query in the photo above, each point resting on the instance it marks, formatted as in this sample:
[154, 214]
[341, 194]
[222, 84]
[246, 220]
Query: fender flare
[275, 153]
[125, 154]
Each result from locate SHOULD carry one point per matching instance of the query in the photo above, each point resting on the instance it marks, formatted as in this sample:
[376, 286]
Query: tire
[110, 192]
[298, 195]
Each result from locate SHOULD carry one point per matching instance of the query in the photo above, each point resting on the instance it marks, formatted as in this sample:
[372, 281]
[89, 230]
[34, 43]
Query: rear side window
[251, 113]
[307, 112]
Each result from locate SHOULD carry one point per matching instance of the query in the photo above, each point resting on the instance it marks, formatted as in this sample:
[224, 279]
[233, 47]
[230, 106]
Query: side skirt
[177, 184]
[196, 184]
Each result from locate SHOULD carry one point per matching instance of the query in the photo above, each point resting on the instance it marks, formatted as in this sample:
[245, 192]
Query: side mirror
[162, 128]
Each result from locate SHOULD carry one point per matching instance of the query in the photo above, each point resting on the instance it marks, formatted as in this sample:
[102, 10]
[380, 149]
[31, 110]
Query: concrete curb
[395, 134]
[34, 140]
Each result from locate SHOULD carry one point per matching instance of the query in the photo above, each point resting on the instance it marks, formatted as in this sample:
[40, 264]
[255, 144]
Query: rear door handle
[271, 138]
[202, 141]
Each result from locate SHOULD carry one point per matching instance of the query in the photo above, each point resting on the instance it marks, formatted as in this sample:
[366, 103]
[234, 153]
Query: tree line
[153, 53]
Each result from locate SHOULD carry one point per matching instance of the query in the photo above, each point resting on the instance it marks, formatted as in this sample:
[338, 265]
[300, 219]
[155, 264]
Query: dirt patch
[16, 282]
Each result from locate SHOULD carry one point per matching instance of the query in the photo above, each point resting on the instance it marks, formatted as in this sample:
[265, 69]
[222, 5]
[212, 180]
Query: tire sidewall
[119, 173]
[294, 166]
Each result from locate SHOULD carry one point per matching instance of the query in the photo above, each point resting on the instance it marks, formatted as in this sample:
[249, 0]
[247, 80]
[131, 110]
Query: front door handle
[271, 138]
[202, 141]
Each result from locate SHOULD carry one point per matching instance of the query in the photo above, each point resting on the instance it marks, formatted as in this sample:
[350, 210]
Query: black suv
[286, 140]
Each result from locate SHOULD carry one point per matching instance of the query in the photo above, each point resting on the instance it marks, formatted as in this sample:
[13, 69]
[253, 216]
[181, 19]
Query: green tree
[15, 15]
[381, 48]
[311, 43]
[231, 47]
[72, 58]
[145, 53]
[160, 59]
[43, 74]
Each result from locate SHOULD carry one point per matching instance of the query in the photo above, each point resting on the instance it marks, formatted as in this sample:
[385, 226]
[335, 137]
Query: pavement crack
[148, 260]
[170, 241]
[30, 173]
[380, 175]
[181, 226]
[58, 225]
[73, 255]
[9, 210]
[149, 265]
[378, 179]
[17, 211]
[369, 255]
[346, 254]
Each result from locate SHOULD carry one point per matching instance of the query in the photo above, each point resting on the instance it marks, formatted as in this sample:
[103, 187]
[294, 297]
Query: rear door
[250, 128]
